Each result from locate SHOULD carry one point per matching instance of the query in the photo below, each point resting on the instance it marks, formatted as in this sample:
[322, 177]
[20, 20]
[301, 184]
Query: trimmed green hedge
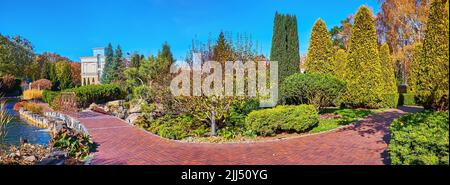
[268, 122]
[390, 101]
[407, 99]
[89, 94]
[420, 139]
[319, 90]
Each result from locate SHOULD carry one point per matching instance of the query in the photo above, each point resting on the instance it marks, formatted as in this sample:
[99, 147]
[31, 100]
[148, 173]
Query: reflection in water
[18, 129]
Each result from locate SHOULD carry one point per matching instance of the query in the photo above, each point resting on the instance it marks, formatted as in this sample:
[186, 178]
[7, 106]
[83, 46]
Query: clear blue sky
[72, 27]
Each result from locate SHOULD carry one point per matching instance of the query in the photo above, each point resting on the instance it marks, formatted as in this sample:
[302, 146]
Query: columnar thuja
[216, 88]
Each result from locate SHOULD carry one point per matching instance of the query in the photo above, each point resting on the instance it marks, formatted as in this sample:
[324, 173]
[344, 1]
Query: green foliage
[432, 85]
[16, 57]
[340, 63]
[268, 122]
[106, 77]
[319, 90]
[320, 51]
[363, 72]
[414, 68]
[390, 100]
[285, 45]
[64, 75]
[89, 94]
[406, 99]
[239, 111]
[420, 139]
[178, 127]
[388, 73]
[76, 144]
[49, 96]
[222, 50]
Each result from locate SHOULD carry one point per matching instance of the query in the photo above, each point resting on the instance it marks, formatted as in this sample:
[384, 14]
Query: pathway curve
[361, 144]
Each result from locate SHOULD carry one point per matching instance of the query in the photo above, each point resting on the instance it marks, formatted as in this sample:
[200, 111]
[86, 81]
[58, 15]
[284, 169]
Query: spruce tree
[388, 73]
[363, 77]
[222, 50]
[107, 69]
[320, 51]
[285, 45]
[116, 65]
[432, 80]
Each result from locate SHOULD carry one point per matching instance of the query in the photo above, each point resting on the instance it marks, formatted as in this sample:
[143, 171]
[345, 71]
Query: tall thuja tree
[107, 70]
[64, 75]
[285, 45]
[432, 80]
[414, 67]
[320, 51]
[364, 80]
[390, 95]
[340, 63]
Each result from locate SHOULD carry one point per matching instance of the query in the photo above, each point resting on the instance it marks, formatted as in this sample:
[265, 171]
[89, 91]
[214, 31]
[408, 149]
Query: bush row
[89, 94]
[420, 139]
[314, 89]
[407, 99]
[268, 122]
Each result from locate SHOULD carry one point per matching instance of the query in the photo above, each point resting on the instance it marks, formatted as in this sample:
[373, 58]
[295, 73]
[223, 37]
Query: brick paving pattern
[363, 143]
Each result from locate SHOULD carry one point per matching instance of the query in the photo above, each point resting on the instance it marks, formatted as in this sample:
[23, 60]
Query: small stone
[132, 118]
[30, 158]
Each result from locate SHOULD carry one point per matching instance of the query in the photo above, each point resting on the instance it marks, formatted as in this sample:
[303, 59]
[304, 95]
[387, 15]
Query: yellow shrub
[34, 108]
[32, 94]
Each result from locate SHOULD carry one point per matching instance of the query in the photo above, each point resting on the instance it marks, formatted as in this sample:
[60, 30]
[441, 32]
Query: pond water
[19, 129]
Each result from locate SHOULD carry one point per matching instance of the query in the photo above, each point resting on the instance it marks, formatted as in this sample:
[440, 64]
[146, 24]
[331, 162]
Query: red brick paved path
[364, 143]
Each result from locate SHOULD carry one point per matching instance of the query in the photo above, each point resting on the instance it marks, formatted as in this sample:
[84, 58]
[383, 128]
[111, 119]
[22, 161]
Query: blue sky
[72, 27]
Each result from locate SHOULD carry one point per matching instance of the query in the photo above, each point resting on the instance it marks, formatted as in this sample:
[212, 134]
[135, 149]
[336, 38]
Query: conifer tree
[320, 51]
[388, 73]
[222, 50]
[432, 78]
[363, 73]
[414, 67]
[285, 45]
[64, 75]
[109, 57]
[340, 63]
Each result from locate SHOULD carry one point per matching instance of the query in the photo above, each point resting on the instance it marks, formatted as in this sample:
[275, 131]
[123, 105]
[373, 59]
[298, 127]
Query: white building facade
[92, 67]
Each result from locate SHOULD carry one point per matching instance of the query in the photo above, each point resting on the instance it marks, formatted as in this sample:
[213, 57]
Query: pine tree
[388, 73]
[363, 77]
[320, 51]
[340, 63]
[107, 70]
[285, 45]
[432, 80]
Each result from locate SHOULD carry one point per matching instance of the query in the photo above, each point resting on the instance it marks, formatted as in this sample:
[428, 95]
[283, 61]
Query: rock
[116, 103]
[30, 158]
[135, 108]
[132, 118]
[121, 115]
[93, 106]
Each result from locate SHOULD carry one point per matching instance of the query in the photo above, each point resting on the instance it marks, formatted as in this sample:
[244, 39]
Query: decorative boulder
[132, 118]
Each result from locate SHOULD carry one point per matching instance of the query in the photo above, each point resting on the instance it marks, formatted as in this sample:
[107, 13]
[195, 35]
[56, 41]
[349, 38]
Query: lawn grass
[347, 116]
